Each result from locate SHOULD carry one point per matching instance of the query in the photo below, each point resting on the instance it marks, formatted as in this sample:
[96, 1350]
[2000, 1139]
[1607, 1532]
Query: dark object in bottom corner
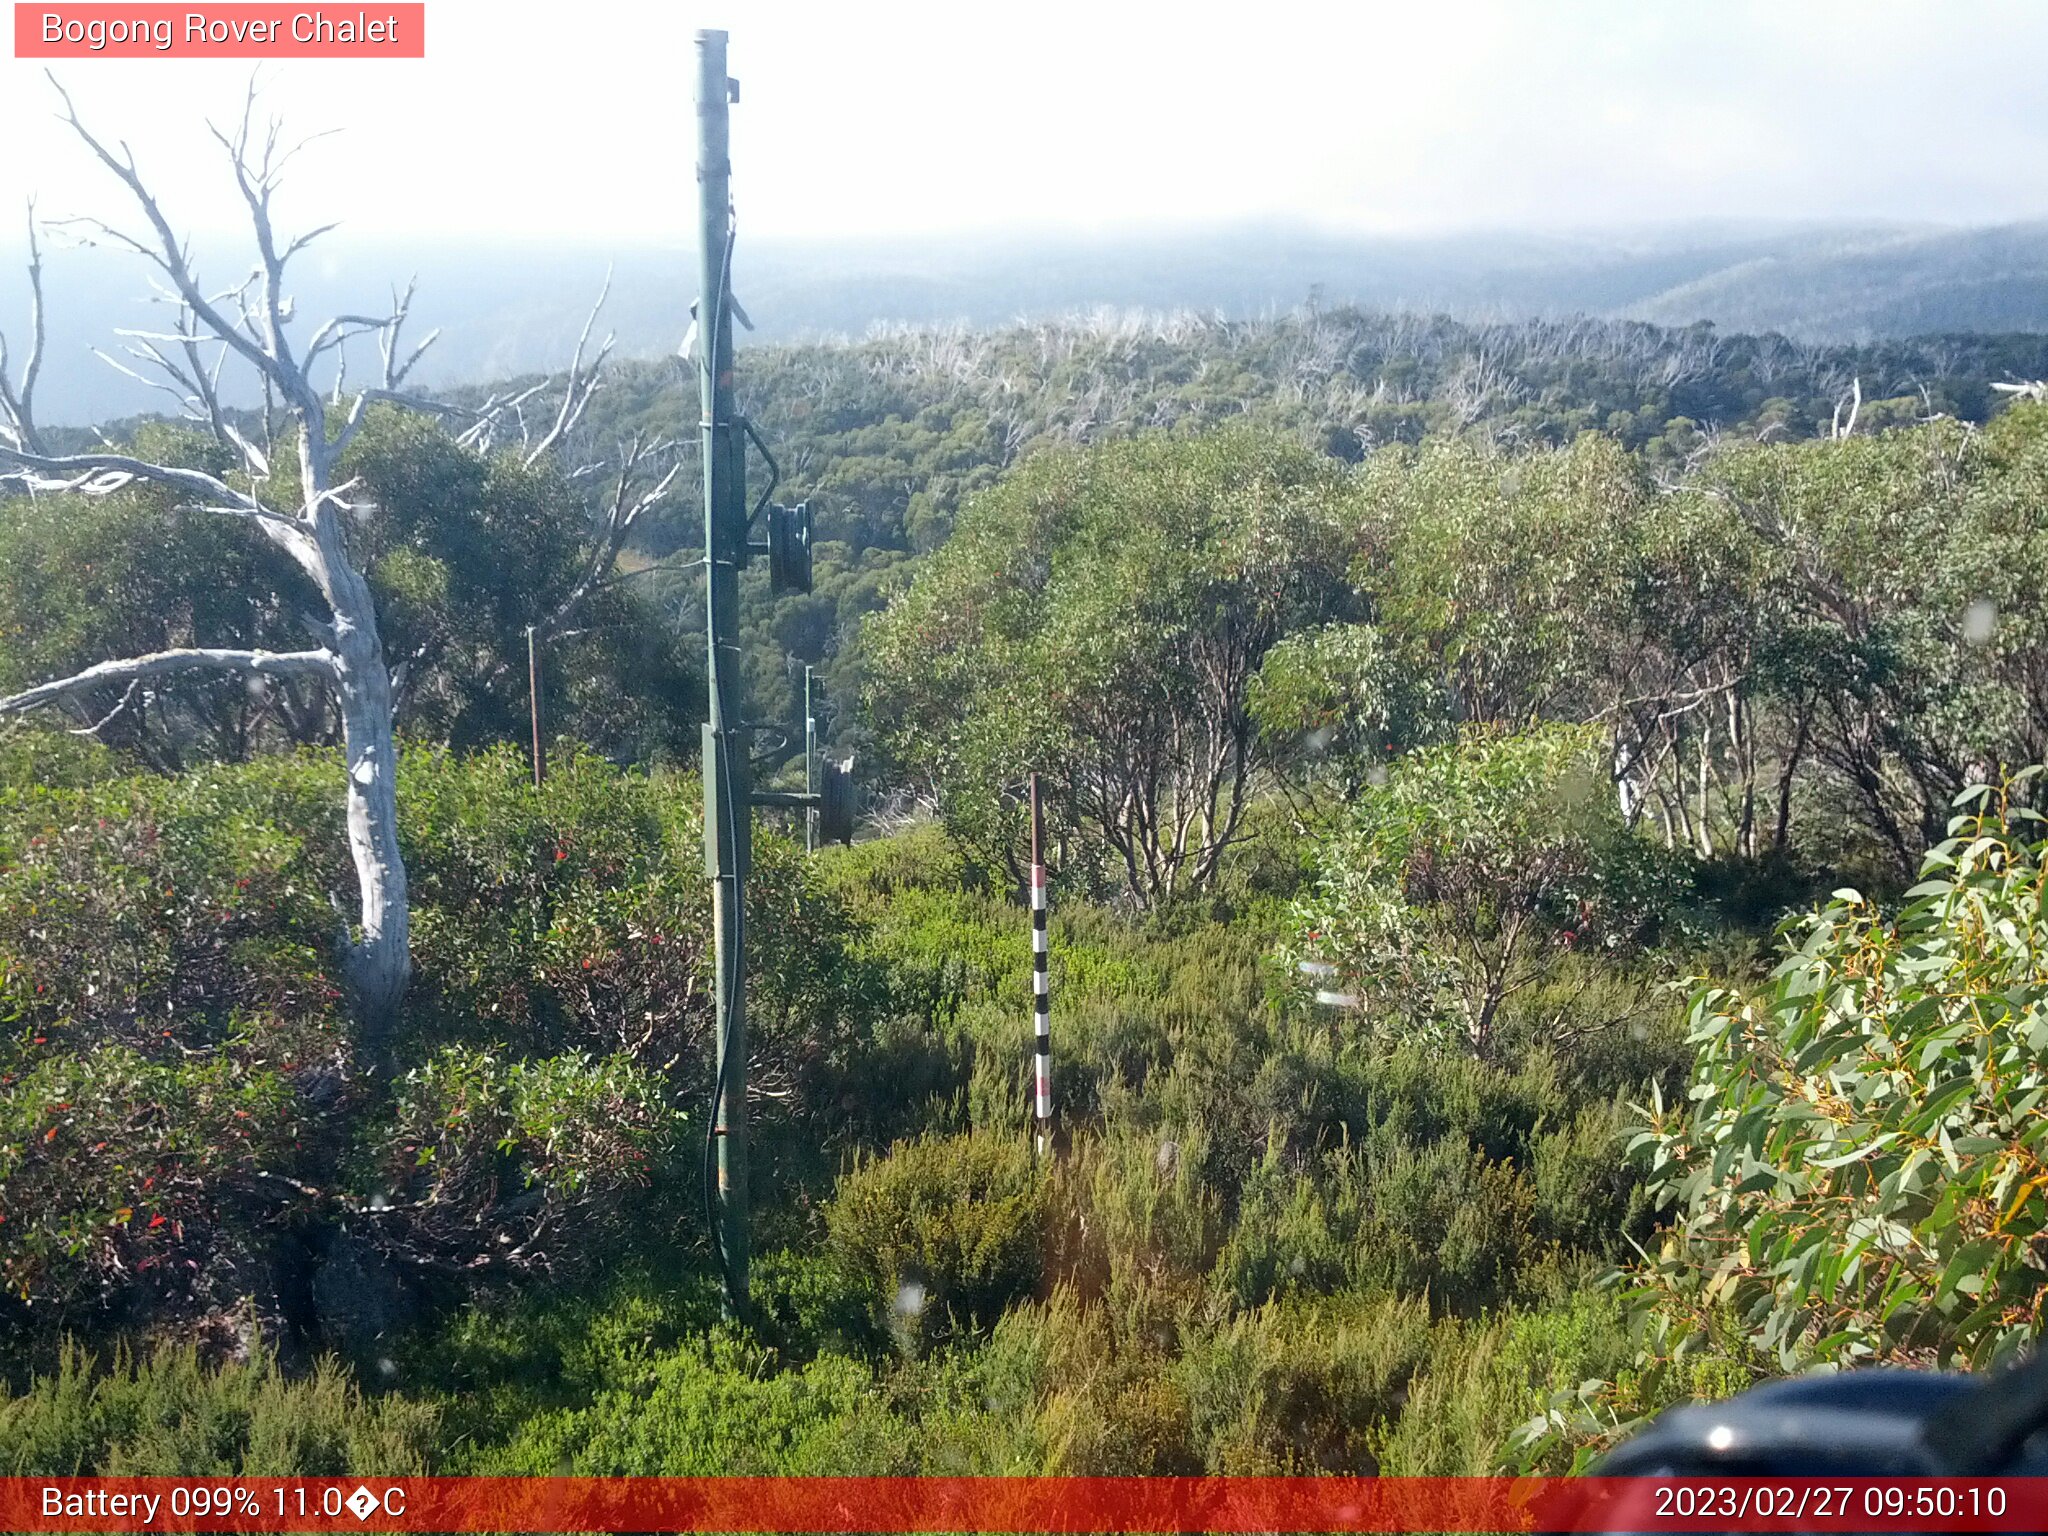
[1871, 1423]
[1875, 1423]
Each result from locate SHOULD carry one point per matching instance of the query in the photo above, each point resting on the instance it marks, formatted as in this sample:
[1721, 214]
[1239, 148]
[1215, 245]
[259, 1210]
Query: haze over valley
[506, 309]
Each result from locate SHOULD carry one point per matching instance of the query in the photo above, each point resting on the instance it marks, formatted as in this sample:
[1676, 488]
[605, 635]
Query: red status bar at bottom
[1023, 1504]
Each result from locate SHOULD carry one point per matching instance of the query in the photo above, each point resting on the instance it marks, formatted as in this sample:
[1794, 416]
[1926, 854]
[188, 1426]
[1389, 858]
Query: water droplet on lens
[1980, 621]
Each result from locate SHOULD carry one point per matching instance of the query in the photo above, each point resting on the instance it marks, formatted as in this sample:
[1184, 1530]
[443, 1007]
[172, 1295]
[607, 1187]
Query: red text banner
[230, 31]
[1022, 1504]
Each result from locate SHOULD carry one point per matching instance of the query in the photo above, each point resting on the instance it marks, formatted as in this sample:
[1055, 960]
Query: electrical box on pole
[789, 548]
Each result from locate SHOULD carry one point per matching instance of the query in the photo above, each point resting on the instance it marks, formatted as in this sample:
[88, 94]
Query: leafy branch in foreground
[1862, 1172]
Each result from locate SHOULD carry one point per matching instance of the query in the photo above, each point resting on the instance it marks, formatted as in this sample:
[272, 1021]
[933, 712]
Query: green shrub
[519, 1164]
[882, 868]
[116, 1171]
[186, 1119]
[1445, 1221]
[1090, 1386]
[35, 759]
[171, 1414]
[1469, 877]
[943, 1232]
[1285, 1238]
[1344, 697]
[140, 911]
[1145, 578]
[519, 1354]
[1588, 1199]
[715, 1408]
[810, 1303]
[1303, 1389]
[1469, 1410]
[1139, 1202]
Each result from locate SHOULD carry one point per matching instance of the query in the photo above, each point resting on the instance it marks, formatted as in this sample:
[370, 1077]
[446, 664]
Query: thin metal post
[540, 751]
[1041, 982]
[810, 766]
[727, 807]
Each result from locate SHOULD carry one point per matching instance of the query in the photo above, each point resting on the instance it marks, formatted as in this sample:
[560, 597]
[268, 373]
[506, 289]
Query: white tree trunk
[380, 953]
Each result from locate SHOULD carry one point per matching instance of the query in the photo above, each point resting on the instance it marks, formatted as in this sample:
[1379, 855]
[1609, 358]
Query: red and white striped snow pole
[1041, 983]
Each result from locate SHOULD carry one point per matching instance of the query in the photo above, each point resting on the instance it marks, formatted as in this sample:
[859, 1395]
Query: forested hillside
[889, 437]
[1437, 724]
[1907, 283]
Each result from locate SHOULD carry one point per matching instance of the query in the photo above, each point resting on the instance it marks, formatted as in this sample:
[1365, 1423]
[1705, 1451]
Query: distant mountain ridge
[1909, 283]
[507, 311]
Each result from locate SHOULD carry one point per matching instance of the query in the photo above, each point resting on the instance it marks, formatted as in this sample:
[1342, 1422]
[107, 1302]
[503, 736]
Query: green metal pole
[727, 804]
[540, 752]
[810, 767]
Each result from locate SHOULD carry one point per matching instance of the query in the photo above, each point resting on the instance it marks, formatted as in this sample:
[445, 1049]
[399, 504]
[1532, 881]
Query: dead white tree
[18, 401]
[647, 469]
[1844, 425]
[251, 323]
[631, 499]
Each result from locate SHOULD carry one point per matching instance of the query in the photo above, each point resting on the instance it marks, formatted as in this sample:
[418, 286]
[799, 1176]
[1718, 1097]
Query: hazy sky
[865, 117]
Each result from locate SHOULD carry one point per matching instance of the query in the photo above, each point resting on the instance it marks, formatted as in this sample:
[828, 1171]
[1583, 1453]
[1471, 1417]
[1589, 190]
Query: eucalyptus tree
[1906, 648]
[1100, 617]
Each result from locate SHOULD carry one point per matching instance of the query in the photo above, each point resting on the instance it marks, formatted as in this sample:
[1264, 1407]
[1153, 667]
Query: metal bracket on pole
[830, 805]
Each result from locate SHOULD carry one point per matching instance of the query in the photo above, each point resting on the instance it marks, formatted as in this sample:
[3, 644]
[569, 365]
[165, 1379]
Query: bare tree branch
[387, 341]
[579, 386]
[109, 717]
[170, 255]
[166, 663]
[626, 507]
[101, 474]
[1853, 399]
